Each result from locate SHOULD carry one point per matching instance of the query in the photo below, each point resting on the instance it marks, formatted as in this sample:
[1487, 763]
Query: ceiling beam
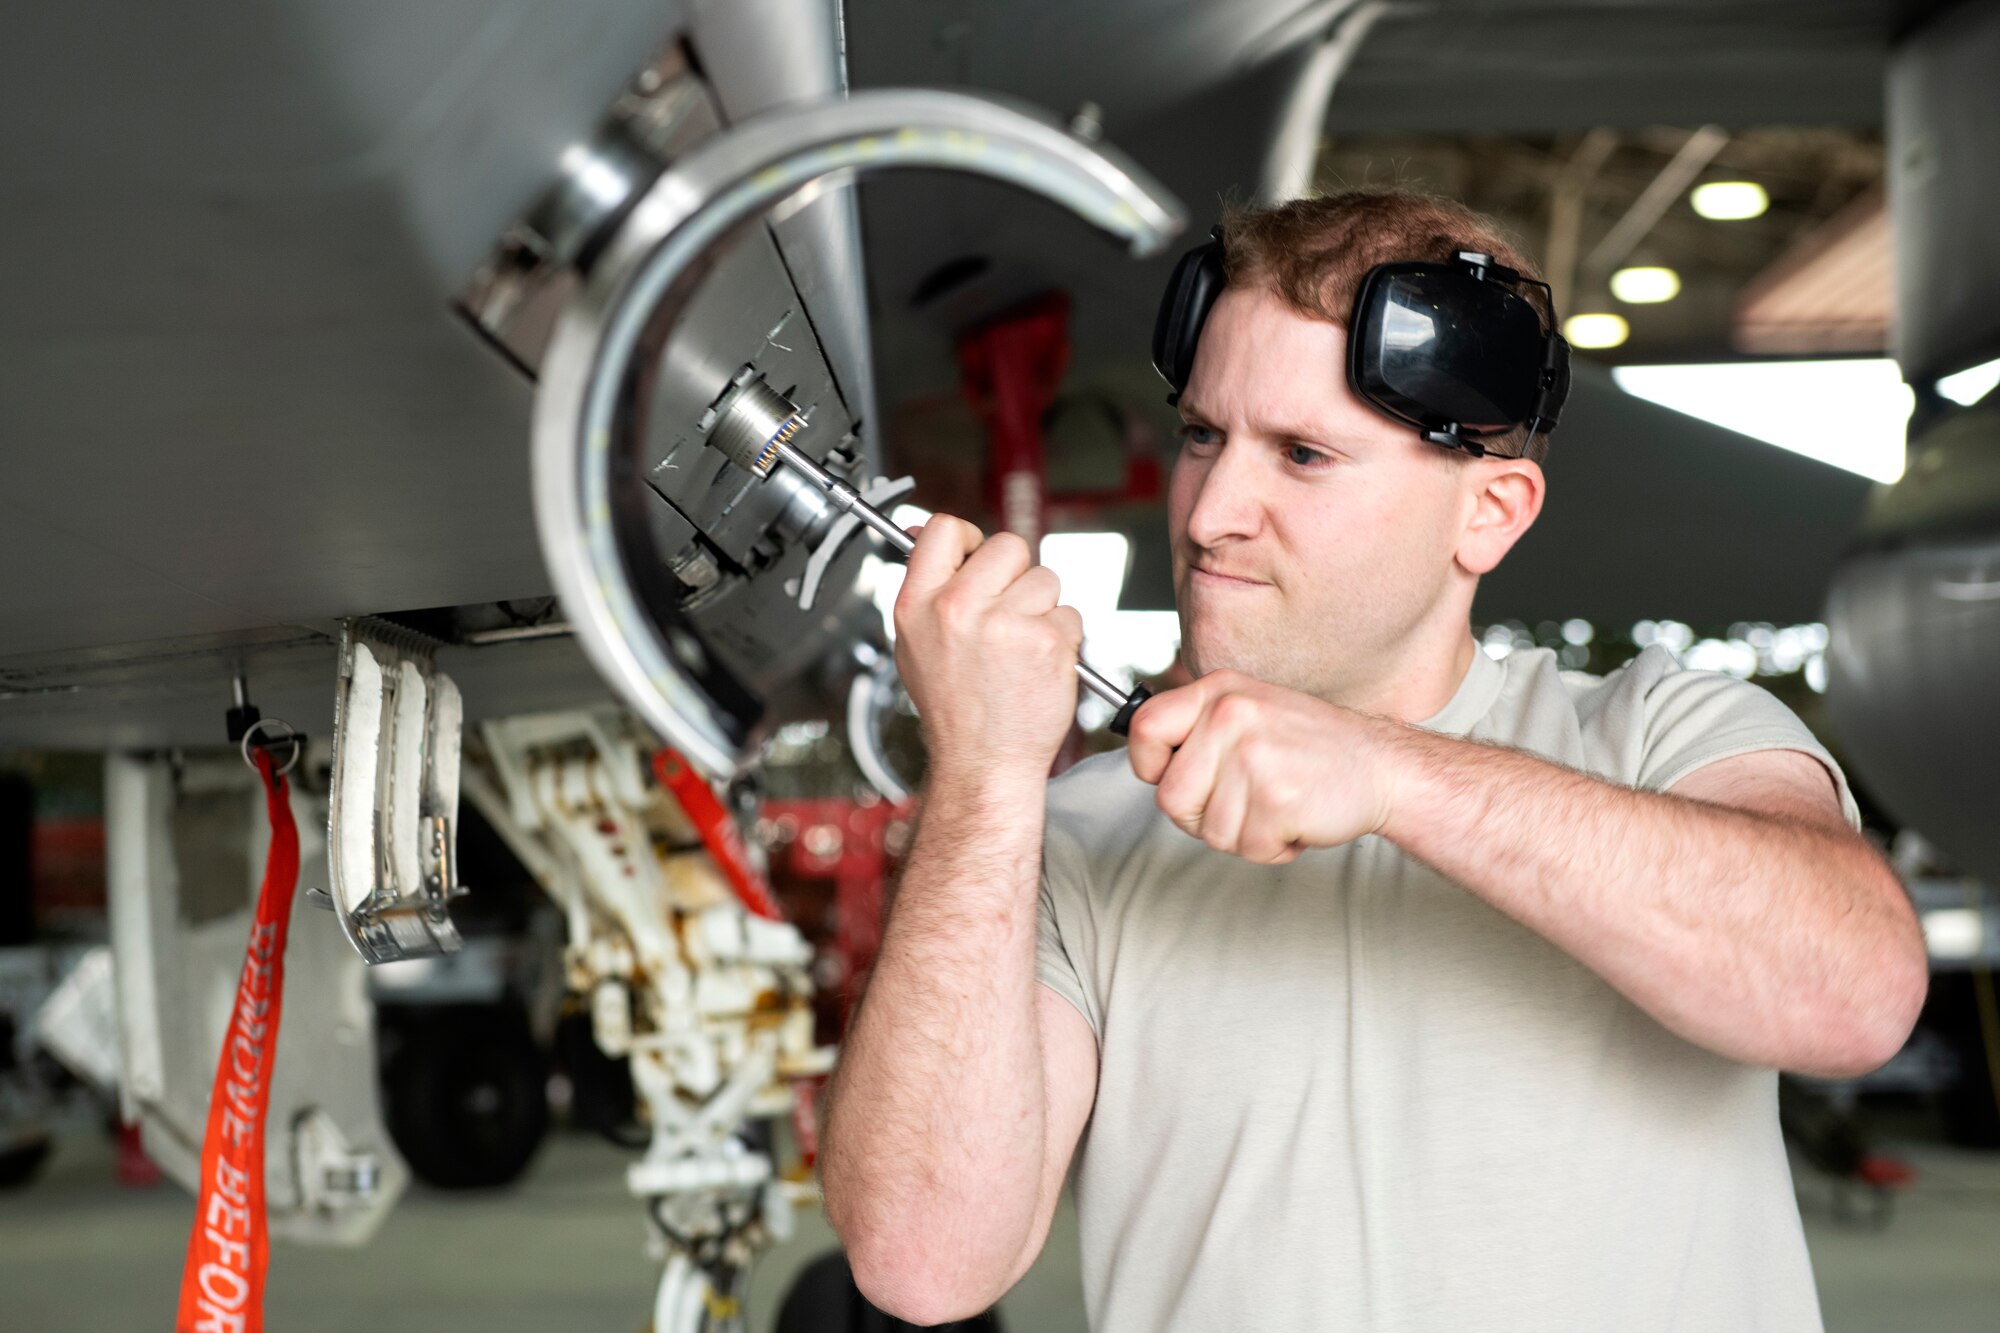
[1674, 178]
[1567, 194]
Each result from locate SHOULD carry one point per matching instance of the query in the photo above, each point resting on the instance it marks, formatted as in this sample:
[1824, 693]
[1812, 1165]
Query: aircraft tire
[467, 1094]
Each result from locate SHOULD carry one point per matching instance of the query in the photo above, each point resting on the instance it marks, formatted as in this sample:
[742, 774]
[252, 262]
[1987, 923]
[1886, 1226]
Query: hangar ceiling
[1487, 101]
[1191, 89]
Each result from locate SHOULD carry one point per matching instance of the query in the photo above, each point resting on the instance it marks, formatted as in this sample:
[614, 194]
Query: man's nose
[1229, 503]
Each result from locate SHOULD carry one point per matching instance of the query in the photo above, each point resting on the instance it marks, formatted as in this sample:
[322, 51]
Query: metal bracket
[333, 1178]
[392, 835]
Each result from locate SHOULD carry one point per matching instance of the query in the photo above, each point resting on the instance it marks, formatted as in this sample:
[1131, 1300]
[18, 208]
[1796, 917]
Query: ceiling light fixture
[1596, 330]
[1969, 386]
[1730, 201]
[1853, 414]
[1645, 285]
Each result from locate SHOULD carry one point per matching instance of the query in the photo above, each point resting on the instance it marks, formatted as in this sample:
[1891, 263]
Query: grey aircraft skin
[240, 402]
[302, 317]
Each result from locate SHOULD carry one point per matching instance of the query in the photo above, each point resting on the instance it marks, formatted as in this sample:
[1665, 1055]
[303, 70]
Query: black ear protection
[1450, 349]
[1191, 294]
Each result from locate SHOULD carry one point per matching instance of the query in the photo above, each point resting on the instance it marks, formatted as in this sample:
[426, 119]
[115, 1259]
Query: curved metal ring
[638, 290]
[868, 698]
[291, 733]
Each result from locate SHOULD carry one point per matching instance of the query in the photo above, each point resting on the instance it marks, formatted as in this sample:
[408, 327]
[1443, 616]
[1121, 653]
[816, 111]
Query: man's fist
[985, 651]
[1264, 772]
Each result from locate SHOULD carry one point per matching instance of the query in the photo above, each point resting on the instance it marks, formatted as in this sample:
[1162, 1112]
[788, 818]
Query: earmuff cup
[1191, 293]
[1449, 349]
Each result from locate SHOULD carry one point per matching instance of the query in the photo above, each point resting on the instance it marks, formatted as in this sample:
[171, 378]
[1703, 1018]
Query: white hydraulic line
[1294, 150]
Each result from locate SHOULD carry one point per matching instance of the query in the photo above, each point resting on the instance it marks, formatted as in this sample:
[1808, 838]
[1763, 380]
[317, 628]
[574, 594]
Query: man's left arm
[1738, 909]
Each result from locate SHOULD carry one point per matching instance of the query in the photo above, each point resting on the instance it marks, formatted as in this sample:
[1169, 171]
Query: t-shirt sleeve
[1061, 928]
[1693, 718]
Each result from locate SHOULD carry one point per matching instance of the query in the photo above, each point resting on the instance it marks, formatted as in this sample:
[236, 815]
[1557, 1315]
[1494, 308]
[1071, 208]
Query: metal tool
[754, 425]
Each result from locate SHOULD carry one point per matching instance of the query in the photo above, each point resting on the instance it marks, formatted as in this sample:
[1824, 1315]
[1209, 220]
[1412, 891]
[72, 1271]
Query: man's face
[1312, 536]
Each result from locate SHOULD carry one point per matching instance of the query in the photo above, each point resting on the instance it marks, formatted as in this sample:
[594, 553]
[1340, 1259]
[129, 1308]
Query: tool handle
[1121, 724]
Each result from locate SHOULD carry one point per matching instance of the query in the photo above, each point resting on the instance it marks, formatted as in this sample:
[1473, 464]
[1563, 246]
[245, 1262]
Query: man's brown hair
[1312, 253]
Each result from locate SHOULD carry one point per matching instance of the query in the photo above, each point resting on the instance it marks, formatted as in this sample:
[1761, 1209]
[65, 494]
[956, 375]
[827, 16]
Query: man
[1399, 987]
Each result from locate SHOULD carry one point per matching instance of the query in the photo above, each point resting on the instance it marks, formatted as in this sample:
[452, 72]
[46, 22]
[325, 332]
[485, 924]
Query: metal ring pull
[589, 405]
[291, 734]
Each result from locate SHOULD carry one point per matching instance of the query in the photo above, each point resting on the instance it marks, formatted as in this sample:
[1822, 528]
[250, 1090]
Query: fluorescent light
[1732, 656]
[1954, 932]
[1122, 644]
[1729, 201]
[1645, 285]
[1091, 566]
[1969, 386]
[1129, 644]
[1596, 330]
[1853, 414]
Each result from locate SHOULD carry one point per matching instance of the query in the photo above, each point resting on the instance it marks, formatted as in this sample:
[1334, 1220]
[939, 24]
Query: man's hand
[986, 653]
[1261, 771]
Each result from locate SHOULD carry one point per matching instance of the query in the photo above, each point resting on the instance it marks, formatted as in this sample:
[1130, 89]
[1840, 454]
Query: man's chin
[1203, 660]
[1253, 646]
[1272, 668]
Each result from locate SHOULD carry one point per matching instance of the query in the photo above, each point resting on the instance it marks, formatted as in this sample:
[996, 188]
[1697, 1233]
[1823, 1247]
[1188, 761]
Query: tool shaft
[848, 501]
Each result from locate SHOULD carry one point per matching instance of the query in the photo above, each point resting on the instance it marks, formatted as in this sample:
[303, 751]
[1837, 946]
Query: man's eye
[1302, 455]
[1200, 436]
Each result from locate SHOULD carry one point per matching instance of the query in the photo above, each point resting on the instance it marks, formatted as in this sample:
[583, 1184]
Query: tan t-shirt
[1346, 1094]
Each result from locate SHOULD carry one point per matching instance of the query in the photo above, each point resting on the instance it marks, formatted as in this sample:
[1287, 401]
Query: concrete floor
[562, 1250]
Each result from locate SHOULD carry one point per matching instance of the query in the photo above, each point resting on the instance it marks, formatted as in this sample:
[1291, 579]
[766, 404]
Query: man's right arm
[963, 1082]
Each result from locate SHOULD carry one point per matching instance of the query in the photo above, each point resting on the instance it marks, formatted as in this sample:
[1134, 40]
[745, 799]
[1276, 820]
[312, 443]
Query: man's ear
[1503, 496]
